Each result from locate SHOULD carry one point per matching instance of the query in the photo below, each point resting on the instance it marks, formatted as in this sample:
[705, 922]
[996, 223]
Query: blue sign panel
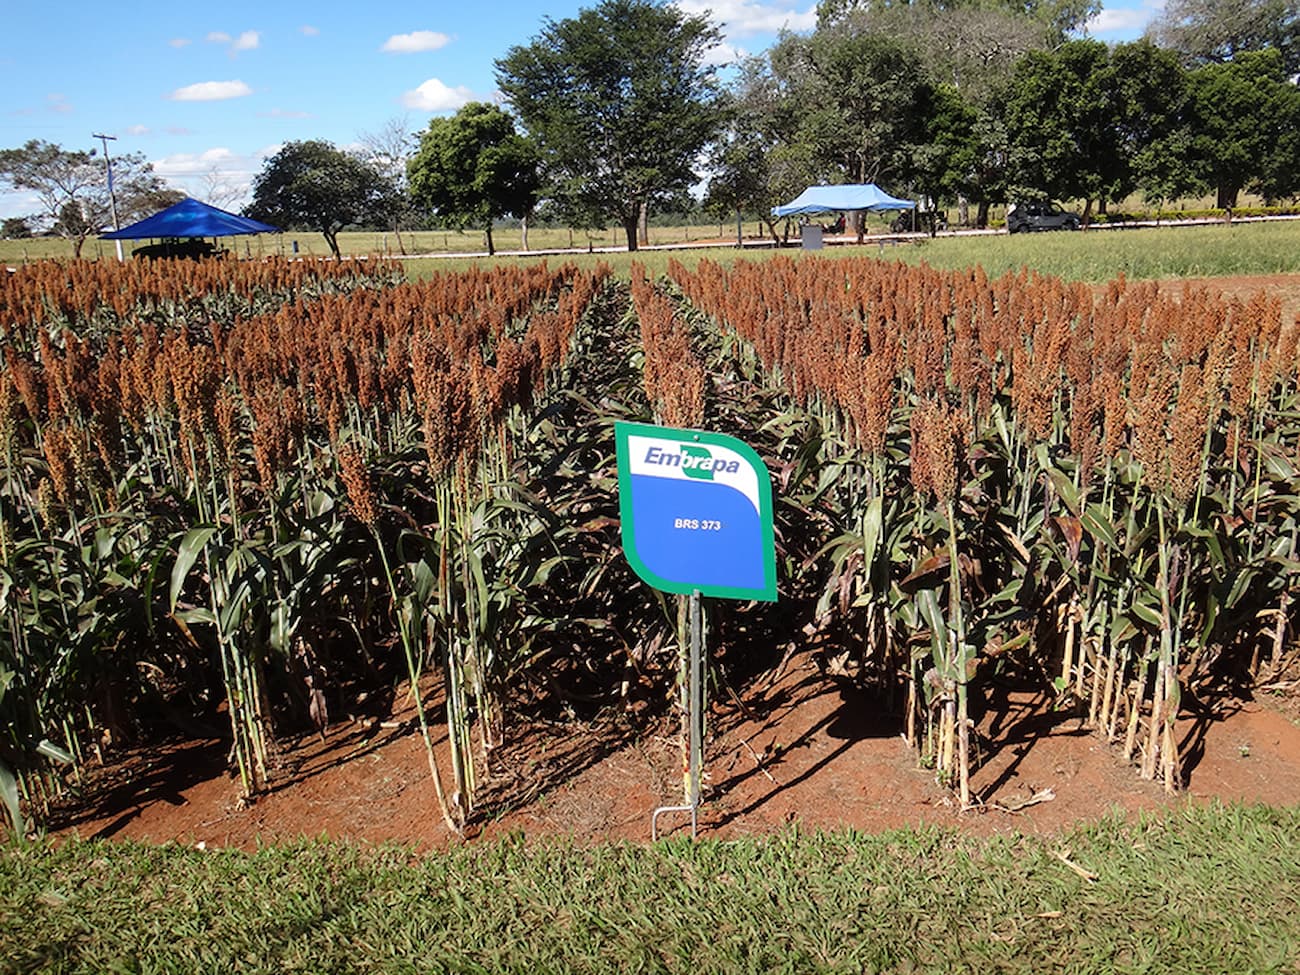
[696, 512]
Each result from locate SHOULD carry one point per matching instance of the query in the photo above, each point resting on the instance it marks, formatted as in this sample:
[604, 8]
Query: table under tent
[842, 198]
[183, 229]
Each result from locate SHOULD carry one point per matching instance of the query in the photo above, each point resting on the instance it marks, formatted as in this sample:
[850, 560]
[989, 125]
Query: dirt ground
[1285, 286]
[797, 746]
[803, 748]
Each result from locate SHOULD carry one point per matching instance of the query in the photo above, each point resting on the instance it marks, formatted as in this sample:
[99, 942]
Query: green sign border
[622, 431]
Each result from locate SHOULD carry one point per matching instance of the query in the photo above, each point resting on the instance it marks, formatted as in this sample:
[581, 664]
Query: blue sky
[208, 91]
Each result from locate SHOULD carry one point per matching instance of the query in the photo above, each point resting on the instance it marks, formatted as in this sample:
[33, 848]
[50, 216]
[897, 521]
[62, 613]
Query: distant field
[1096, 255]
[312, 244]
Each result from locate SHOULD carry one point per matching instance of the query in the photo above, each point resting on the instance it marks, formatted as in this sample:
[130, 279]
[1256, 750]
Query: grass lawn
[1204, 889]
[1214, 250]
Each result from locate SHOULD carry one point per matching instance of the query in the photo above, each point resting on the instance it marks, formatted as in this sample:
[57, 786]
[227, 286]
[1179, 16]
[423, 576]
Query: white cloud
[179, 42]
[724, 54]
[19, 204]
[217, 175]
[741, 18]
[247, 41]
[56, 102]
[137, 130]
[309, 30]
[181, 164]
[416, 41]
[210, 91]
[434, 96]
[1129, 21]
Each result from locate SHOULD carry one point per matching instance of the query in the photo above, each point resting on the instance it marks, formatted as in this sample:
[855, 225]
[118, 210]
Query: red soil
[805, 749]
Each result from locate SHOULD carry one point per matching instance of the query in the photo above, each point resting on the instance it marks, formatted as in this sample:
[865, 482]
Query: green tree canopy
[1060, 18]
[313, 184]
[620, 101]
[1151, 120]
[759, 161]
[858, 99]
[72, 188]
[473, 167]
[1061, 133]
[1245, 120]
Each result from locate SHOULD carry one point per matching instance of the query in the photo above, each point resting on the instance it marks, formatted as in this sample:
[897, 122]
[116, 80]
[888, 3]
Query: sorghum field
[252, 505]
[245, 495]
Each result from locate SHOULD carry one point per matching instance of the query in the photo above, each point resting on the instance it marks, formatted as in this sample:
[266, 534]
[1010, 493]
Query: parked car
[1023, 217]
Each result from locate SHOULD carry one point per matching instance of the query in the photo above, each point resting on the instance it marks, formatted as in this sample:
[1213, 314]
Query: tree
[220, 190]
[15, 228]
[1151, 118]
[759, 160]
[473, 167]
[620, 101]
[1217, 31]
[1245, 120]
[313, 184]
[946, 164]
[1060, 114]
[859, 98]
[388, 149]
[72, 187]
[1060, 18]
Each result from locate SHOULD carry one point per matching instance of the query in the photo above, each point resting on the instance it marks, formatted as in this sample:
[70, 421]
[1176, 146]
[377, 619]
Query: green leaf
[197, 615]
[1146, 614]
[1064, 487]
[191, 548]
[9, 793]
[1240, 585]
[51, 750]
[872, 527]
[1096, 524]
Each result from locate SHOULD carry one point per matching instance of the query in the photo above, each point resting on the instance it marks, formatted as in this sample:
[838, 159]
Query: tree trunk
[643, 225]
[982, 214]
[1227, 197]
[487, 238]
[332, 238]
[397, 232]
[523, 232]
[630, 229]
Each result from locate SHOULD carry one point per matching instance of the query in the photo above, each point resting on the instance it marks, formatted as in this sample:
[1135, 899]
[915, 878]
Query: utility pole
[112, 200]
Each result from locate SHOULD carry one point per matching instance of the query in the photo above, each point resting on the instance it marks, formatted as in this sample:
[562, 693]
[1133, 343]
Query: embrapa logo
[695, 461]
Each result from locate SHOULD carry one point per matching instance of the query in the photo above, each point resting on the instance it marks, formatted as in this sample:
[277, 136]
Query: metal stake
[693, 703]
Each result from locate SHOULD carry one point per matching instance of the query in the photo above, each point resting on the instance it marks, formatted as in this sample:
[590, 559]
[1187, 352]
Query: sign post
[696, 514]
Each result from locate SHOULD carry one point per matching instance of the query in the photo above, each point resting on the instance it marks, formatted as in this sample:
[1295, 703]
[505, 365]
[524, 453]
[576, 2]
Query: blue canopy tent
[846, 197]
[188, 219]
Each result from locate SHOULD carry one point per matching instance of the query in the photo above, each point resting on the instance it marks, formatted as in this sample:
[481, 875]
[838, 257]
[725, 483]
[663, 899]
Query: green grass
[1213, 250]
[1203, 889]
[1093, 256]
